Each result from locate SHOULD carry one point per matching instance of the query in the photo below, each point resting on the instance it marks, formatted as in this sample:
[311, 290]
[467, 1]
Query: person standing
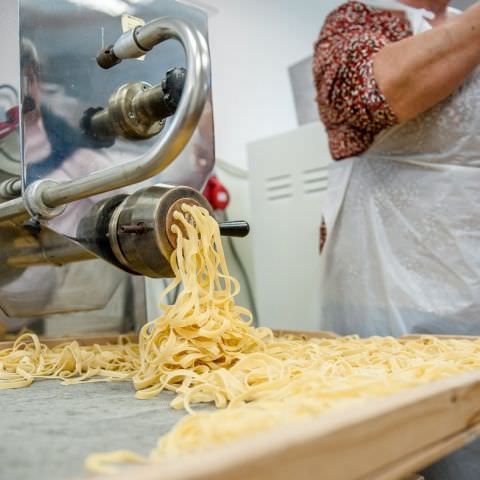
[398, 89]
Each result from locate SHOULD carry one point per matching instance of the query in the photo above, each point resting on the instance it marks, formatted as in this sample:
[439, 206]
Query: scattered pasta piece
[103, 463]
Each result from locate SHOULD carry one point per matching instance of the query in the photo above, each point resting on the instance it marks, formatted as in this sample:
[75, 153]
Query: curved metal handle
[162, 153]
[195, 91]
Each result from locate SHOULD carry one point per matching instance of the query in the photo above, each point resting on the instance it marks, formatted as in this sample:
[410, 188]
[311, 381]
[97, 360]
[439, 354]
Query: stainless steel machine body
[79, 135]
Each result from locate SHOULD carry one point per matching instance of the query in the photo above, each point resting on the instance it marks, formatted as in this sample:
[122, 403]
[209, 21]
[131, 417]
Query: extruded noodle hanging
[204, 349]
[204, 330]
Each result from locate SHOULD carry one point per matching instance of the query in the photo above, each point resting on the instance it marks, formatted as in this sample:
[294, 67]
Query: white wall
[253, 42]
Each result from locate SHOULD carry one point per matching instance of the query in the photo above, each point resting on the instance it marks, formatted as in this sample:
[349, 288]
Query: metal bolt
[137, 229]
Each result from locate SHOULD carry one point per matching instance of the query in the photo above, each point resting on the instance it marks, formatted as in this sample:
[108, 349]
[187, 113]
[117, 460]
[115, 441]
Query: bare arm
[416, 73]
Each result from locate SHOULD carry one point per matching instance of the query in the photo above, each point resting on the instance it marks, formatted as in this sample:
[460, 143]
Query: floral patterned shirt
[350, 103]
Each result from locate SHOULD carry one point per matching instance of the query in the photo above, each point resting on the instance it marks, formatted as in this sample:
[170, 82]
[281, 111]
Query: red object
[6, 128]
[216, 193]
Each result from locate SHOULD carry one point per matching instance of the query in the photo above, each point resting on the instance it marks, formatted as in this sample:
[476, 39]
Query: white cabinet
[288, 180]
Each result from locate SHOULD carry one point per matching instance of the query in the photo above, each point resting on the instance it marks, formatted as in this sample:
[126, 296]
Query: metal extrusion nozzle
[106, 58]
[126, 46]
[135, 110]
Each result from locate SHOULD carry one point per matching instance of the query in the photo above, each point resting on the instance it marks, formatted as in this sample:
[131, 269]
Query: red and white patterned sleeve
[351, 105]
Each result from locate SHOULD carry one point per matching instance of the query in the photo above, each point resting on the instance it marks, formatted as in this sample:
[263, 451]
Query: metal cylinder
[100, 125]
[57, 253]
[150, 105]
[22, 247]
[139, 229]
[136, 110]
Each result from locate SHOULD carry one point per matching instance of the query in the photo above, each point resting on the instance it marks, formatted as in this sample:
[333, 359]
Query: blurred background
[271, 149]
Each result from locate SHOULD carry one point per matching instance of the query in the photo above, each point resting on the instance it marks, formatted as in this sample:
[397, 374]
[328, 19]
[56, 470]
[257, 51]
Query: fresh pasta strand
[205, 349]
[103, 463]
[28, 359]
[204, 331]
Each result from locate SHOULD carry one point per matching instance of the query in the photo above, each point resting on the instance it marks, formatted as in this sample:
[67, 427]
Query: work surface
[48, 429]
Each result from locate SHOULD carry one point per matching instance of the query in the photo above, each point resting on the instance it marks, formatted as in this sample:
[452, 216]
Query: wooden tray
[386, 439]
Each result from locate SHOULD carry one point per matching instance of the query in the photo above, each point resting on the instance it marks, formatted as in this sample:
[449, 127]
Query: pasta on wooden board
[205, 349]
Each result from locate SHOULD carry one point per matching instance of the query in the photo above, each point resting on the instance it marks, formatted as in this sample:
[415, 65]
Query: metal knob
[236, 228]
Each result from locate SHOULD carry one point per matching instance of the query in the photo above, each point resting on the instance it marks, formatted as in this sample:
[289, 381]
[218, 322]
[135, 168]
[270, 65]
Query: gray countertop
[47, 429]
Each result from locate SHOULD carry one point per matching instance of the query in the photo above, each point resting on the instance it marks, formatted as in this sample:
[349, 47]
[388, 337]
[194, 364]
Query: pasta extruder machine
[107, 128]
